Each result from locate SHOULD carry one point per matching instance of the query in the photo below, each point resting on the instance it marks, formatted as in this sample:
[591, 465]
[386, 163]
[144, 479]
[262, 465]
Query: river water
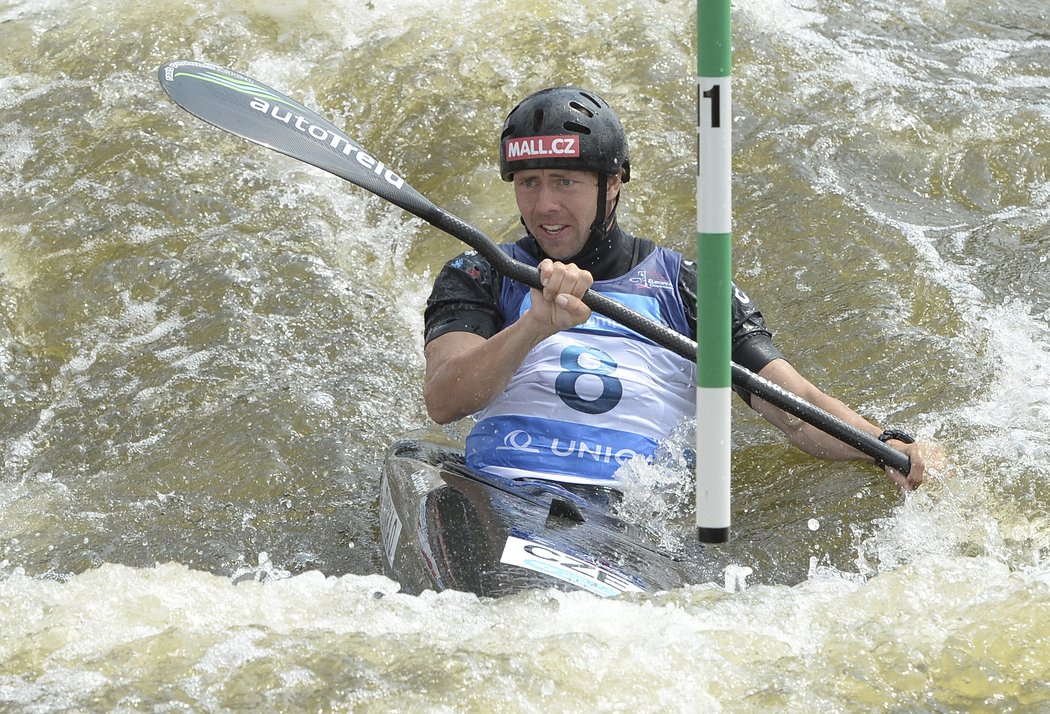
[205, 348]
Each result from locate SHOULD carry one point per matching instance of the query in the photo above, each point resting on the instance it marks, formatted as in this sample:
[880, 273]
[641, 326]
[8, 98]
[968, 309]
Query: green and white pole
[714, 216]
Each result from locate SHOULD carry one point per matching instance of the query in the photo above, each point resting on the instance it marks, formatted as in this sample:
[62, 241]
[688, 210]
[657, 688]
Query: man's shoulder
[644, 247]
[466, 259]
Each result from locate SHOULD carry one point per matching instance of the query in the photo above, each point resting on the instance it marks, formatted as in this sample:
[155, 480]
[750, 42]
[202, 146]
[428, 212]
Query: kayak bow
[445, 526]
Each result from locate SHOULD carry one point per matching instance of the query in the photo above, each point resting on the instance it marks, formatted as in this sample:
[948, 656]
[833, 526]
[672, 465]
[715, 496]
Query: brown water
[205, 348]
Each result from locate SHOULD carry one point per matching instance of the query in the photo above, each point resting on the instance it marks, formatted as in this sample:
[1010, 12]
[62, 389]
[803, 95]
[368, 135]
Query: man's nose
[547, 200]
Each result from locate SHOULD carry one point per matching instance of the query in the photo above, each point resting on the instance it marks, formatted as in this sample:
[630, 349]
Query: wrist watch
[896, 434]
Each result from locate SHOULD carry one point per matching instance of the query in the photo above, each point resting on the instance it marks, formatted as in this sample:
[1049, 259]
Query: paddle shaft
[246, 108]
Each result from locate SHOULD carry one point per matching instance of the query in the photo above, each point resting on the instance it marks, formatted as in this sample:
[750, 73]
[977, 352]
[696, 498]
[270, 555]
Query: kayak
[445, 526]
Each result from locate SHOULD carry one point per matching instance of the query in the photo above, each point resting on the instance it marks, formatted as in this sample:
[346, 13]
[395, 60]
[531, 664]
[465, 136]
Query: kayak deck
[444, 526]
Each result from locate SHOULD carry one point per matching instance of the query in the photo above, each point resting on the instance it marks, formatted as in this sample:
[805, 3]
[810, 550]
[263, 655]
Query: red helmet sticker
[565, 146]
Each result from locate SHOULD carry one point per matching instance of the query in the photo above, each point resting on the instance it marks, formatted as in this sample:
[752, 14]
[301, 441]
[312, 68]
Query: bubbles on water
[18, 148]
[263, 570]
[661, 495]
[736, 578]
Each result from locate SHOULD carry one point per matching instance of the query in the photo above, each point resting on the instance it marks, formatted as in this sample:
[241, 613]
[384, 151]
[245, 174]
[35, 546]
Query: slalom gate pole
[714, 241]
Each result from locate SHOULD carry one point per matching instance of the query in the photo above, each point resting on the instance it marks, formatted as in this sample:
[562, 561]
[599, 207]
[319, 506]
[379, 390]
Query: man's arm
[465, 372]
[816, 442]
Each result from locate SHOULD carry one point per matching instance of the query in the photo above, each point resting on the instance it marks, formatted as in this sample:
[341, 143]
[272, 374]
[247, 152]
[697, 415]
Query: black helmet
[563, 127]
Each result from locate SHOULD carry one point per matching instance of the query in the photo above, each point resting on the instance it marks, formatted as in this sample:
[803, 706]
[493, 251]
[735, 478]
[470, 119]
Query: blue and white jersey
[587, 400]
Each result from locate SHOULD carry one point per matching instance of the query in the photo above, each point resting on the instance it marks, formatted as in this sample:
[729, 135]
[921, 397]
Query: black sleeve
[752, 346]
[464, 299]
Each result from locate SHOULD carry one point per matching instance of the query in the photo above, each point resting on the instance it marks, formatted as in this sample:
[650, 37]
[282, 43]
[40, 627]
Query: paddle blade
[253, 111]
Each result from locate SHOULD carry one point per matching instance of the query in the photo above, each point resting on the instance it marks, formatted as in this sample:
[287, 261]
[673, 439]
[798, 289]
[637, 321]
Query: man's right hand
[560, 306]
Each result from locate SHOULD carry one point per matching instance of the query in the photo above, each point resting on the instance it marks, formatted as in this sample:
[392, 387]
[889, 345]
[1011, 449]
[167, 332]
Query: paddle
[253, 111]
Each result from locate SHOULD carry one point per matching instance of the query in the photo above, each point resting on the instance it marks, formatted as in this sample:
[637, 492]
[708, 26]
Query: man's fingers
[570, 311]
[560, 278]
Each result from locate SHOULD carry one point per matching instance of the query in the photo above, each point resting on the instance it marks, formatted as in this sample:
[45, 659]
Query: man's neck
[606, 257]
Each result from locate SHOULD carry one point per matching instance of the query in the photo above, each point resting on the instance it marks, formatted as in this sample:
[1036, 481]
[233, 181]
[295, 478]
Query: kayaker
[560, 393]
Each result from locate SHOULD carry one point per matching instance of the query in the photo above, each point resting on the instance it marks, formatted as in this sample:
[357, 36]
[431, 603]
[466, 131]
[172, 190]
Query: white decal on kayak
[586, 575]
[389, 523]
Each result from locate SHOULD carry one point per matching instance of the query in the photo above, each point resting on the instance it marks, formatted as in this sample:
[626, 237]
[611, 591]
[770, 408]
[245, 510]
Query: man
[563, 394]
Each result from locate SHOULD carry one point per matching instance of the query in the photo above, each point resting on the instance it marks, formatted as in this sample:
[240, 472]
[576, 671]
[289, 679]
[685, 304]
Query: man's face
[558, 207]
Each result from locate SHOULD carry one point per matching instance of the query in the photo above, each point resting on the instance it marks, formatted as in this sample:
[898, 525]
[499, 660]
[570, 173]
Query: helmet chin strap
[601, 222]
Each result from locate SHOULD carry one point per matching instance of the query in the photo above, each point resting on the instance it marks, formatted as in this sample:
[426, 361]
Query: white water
[202, 345]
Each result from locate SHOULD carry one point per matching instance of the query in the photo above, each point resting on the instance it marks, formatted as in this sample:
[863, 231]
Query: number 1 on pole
[714, 94]
[714, 269]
